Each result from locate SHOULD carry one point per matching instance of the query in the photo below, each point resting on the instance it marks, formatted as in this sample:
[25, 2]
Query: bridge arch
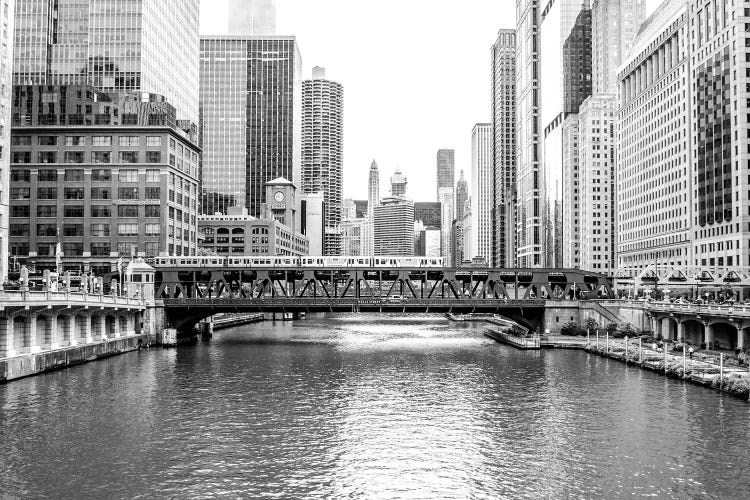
[668, 326]
[693, 331]
[722, 334]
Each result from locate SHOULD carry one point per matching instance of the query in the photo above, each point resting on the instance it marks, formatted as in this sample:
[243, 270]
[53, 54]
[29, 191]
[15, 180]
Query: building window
[46, 230]
[101, 211]
[153, 156]
[73, 249]
[100, 249]
[20, 193]
[21, 157]
[125, 248]
[101, 157]
[19, 211]
[127, 229]
[128, 176]
[73, 230]
[100, 230]
[152, 248]
[46, 193]
[129, 140]
[21, 140]
[47, 250]
[101, 193]
[153, 229]
[19, 230]
[46, 211]
[153, 211]
[101, 175]
[74, 157]
[127, 193]
[128, 156]
[153, 141]
[152, 175]
[127, 211]
[74, 211]
[100, 140]
[19, 249]
[47, 175]
[75, 140]
[153, 193]
[20, 176]
[47, 140]
[47, 157]
[74, 175]
[74, 193]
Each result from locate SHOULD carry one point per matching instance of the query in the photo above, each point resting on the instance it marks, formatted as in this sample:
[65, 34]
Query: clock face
[278, 197]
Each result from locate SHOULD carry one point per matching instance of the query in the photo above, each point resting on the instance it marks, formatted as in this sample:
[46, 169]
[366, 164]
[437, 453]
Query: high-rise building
[462, 194]
[571, 199]
[447, 215]
[503, 149]
[352, 232]
[529, 229]
[251, 116]
[446, 168]
[6, 73]
[482, 182]
[614, 26]
[655, 195]
[398, 184]
[323, 149]
[394, 227]
[373, 200]
[566, 83]
[312, 220]
[117, 45]
[125, 187]
[252, 17]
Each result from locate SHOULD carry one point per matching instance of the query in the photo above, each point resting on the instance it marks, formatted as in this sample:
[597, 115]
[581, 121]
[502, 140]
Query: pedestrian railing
[28, 297]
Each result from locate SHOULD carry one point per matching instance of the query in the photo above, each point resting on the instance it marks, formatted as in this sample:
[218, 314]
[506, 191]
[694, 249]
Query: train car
[208, 261]
[269, 262]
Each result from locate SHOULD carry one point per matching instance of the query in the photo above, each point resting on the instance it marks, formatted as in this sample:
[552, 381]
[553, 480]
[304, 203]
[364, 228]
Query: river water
[367, 407]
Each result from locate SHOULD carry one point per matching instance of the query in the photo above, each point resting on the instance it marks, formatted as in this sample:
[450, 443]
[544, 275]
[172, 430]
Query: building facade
[240, 235]
[393, 227]
[482, 192]
[103, 175]
[352, 232]
[447, 216]
[655, 198]
[446, 169]
[323, 149]
[462, 194]
[398, 184]
[429, 213]
[529, 194]
[251, 118]
[7, 22]
[114, 46]
[503, 149]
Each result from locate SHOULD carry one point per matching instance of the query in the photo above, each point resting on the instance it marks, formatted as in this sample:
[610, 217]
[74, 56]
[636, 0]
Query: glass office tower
[113, 45]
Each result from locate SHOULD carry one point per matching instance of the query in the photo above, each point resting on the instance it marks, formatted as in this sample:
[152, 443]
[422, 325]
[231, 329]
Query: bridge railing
[707, 309]
[20, 297]
[353, 301]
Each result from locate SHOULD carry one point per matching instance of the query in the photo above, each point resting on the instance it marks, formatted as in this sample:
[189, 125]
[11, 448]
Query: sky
[416, 77]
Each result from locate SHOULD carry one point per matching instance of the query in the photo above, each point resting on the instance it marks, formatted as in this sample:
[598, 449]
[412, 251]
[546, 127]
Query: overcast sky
[416, 76]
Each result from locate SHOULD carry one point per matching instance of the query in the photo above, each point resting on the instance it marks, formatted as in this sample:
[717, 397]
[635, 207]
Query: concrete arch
[693, 331]
[97, 326]
[721, 335]
[668, 327]
[21, 334]
[111, 326]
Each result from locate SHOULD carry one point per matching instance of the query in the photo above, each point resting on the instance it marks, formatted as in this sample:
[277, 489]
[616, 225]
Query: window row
[79, 157]
[77, 211]
[80, 140]
[77, 175]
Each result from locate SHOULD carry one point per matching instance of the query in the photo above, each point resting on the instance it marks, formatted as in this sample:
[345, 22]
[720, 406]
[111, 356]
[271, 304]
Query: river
[359, 406]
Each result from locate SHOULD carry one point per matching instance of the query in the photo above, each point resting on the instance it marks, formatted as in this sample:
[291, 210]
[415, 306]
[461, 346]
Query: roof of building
[280, 181]
[651, 27]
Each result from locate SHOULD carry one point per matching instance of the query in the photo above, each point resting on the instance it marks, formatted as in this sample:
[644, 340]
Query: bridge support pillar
[741, 337]
[6, 337]
[115, 327]
[54, 334]
[31, 341]
[680, 332]
[83, 323]
[68, 330]
[709, 329]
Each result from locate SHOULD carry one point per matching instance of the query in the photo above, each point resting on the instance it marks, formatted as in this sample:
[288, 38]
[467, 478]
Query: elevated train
[275, 262]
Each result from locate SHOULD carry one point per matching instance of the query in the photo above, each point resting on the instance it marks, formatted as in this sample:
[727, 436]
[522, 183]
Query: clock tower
[281, 202]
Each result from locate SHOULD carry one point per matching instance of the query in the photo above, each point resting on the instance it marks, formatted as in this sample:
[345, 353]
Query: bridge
[33, 322]
[190, 294]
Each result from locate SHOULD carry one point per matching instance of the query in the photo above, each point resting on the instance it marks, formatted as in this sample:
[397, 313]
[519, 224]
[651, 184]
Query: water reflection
[370, 407]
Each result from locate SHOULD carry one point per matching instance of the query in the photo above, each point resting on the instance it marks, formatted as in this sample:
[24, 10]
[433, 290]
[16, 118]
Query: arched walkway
[723, 335]
[693, 332]
[110, 327]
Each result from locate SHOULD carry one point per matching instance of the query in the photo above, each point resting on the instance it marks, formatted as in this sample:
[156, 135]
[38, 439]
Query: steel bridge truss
[381, 284]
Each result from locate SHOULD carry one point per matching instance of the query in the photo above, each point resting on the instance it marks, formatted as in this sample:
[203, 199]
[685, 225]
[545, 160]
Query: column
[658, 332]
[31, 340]
[70, 330]
[115, 327]
[680, 332]
[84, 325]
[741, 337]
[709, 335]
[6, 337]
[675, 51]
[54, 333]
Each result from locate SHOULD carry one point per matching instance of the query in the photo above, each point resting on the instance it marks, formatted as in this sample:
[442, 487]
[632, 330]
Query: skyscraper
[118, 45]
[462, 194]
[503, 149]
[323, 149]
[482, 190]
[445, 196]
[252, 17]
[566, 83]
[528, 136]
[373, 200]
[6, 72]
[446, 168]
[398, 184]
[394, 227]
[251, 117]
[614, 26]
